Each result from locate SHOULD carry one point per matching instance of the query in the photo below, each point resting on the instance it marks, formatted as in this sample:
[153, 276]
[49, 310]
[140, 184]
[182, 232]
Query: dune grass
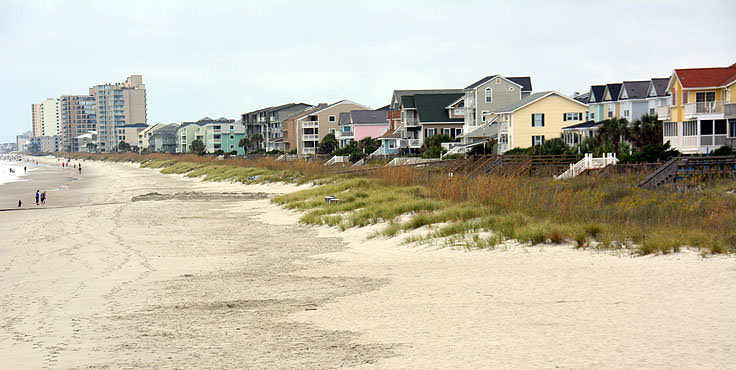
[589, 212]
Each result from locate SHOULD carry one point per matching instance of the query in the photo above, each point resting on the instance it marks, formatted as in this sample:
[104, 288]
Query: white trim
[455, 102]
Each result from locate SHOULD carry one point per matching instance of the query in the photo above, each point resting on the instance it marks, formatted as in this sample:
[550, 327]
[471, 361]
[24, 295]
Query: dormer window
[489, 95]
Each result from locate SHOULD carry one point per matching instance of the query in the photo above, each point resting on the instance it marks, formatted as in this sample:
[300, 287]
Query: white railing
[588, 162]
[310, 150]
[663, 113]
[708, 107]
[310, 137]
[411, 122]
[415, 143]
[310, 124]
[344, 134]
[337, 159]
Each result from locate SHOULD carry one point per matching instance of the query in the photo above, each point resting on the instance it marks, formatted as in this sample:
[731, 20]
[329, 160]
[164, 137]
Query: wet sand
[134, 269]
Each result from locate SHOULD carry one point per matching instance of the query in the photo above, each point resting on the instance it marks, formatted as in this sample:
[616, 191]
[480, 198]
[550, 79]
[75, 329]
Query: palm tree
[614, 130]
[243, 143]
[646, 131]
[256, 139]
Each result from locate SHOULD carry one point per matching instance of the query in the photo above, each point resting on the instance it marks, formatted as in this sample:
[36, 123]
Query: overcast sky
[224, 58]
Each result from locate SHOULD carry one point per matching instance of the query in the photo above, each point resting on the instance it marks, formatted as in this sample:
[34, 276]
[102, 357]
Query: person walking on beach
[20, 203]
[80, 168]
[24, 169]
[43, 197]
[37, 195]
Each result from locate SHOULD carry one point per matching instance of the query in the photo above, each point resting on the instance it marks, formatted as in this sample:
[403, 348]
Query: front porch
[699, 136]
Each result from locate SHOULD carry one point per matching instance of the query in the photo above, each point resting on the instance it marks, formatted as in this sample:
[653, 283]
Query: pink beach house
[360, 124]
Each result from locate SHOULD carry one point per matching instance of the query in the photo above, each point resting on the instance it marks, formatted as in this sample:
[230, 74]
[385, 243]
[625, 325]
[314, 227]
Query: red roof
[706, 77]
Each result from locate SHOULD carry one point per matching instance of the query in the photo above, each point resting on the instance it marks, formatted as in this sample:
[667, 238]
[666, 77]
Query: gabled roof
[391, 134]
[706, 77]
[613, 91]
[634, 89]
[398, 94]
[660, 86]
[369, 116]
[408, 102]
[431, 107]
[524, 82]
[275, 108]
[305, 112]
[344, 101]
[586, 124]
[531, 99]
[597, 92]
[343, 118]
[481, 81]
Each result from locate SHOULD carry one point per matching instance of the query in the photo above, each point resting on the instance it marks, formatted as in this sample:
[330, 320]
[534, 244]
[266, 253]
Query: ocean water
[6, 176]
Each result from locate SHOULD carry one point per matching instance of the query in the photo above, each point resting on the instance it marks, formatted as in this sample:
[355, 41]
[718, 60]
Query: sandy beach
[128, 268]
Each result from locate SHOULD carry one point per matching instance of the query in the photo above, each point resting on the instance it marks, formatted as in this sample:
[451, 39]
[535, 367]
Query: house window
[537, 119]
[332, 131]
[511, 88]
[459, 131]
[537, 140]
[232, 137]
[670, 128]
[626, 112]
[489, 94]
[689, 128]
[720, 127]
[651, 111]
[504, 138]
[459, 112]
[331, 118]
[429, 132]
[592, 115]
[610, 110]
[447, 131]
[391, 144]
[572, 116]
[732, 128]
[684, 97]
[232, 146]
[346, 129]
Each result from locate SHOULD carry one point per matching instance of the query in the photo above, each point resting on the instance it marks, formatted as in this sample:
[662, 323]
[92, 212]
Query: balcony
[708, 107]
[310, 150]
[415, 143]
[310, 124]
[663, 113]
[310, 137]
[345, 134]
[730, 110]
[411, 122]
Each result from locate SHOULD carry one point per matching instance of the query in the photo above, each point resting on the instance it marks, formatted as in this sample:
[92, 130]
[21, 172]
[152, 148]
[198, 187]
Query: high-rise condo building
[37, 126]
[45, 118]
[77, 117]
[117, 105]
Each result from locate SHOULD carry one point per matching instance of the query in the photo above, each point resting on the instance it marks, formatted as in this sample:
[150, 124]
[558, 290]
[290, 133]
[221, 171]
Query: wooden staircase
[680, 168]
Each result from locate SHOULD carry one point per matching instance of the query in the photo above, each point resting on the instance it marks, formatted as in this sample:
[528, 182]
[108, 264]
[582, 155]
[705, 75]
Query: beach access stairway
[338, 159]
[588, 163]
[680, 168]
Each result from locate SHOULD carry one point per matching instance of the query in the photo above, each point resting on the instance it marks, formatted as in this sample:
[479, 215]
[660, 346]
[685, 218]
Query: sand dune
[134, 269]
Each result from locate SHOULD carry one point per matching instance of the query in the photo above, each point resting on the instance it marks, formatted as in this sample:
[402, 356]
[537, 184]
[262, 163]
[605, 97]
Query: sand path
[203, 275]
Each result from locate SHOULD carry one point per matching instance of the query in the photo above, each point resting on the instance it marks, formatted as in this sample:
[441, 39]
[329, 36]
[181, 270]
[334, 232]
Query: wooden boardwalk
[680, 168]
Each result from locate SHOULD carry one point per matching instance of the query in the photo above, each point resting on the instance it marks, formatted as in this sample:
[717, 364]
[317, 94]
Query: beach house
[268, 123]
[702, 112]
[312, 127]
[361, 124]
[490, 94]
[530, 121]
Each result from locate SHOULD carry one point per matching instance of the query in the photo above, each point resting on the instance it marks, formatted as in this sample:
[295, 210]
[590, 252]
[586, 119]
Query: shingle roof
[431, 107]
[613, 90]
[636, 89]
[529, 99]
[525, 82]
[660, 85]
[480, 82]
[343, 118]
[391, 134]
[399, 94]
[586, 124]
[706, 77]
[598, 91]
[408, 101]
[369, 116]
